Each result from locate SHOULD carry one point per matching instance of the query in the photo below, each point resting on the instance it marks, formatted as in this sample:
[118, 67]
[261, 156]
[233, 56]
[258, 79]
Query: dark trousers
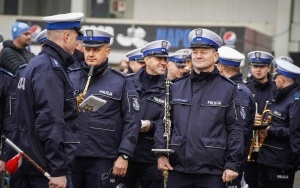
[270, 177]
[93, 172]
[20, 180]
[251, 174]
[145, 174]
[185, 180]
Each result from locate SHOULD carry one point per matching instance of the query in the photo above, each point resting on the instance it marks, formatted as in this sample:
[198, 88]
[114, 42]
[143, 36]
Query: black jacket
[12, 57]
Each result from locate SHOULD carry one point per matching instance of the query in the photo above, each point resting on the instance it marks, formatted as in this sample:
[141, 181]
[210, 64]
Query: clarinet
[167, 121]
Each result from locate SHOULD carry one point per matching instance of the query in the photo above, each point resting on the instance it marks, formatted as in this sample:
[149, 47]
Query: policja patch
[242, 112]
[135, 103]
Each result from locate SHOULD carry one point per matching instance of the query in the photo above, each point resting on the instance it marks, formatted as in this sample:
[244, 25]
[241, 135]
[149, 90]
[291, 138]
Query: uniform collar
[283, 93]
[156, 82]
[261, 86]
[204, 75]
[237, 78]
[98, 70]
[57, 52]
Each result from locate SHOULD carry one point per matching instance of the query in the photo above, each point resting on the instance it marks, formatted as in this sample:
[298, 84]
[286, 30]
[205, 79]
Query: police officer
[278, 156]
[46, 108]
[7, 97]
[285, 58]
[262, 87]
[107, 136]
[149, 82]
[229, 66]
[206, 138]
[188, 61]
[135, 60]
[176, 64]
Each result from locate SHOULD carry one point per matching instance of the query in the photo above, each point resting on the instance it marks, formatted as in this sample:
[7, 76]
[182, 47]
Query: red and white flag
[13, 164]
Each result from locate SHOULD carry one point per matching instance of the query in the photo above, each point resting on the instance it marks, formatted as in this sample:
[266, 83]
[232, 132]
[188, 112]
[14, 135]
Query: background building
[270, 25]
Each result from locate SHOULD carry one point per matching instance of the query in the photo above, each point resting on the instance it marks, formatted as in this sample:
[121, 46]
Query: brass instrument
[264, 122]
[80, 96]
[167, 121]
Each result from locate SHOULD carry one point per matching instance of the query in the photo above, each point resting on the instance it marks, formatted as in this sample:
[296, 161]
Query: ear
[146, 59]
[216, 56]
[66, 37]
[107, 51]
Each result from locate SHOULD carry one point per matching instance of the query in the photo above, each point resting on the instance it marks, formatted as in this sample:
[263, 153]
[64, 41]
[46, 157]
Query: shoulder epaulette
[129, 75]
[55, 63]
[297, 95]
[118, 72]
[227, 79]
[7, 72]
[72, 69]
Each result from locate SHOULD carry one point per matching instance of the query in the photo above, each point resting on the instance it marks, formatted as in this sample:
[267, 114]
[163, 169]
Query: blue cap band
[260, 60]
[204, 41]
[63, 25]
[136, 57]
[230, 63]
[42, 40]
[155, 51]
[287, 74]
[96, 39]
[176, 60]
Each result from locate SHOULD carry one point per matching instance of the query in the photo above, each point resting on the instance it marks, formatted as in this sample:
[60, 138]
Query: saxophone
[80, 96]
[257, 142]
[167, 121]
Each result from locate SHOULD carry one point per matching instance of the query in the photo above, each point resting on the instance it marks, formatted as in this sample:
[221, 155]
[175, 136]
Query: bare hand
[229, 175]
[58, 182]
[120, 167]
[257, 118]
[163, 164]
[264, 132]
[145, 126]
[2, 166]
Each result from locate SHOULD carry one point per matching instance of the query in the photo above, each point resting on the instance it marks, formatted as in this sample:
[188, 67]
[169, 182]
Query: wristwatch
[125, 157]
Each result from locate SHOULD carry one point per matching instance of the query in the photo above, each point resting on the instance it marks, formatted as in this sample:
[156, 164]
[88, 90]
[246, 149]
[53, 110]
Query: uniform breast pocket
[102, 126]
[104, 132]
[243, 109]
[134, 101]
[112, 102]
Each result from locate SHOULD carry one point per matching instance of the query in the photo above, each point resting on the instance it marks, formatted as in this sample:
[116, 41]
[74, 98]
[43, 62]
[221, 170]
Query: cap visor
[259, 64]
[159, 55]
[92, 45]
[200, 45]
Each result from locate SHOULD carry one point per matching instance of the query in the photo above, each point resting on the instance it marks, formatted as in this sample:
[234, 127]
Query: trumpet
[80, 96]
[264, 122]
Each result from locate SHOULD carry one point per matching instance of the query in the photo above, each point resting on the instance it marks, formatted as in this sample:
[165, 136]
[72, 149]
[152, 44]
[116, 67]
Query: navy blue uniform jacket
[152, 105]
[206, 136]
[113, 129]
[281, 146]
[46, 108]
[7, 98]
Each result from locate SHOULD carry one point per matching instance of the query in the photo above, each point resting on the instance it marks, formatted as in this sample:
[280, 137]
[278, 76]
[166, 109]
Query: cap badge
[89, 33]
[257, 54]
[198, 32]
[164, 44]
